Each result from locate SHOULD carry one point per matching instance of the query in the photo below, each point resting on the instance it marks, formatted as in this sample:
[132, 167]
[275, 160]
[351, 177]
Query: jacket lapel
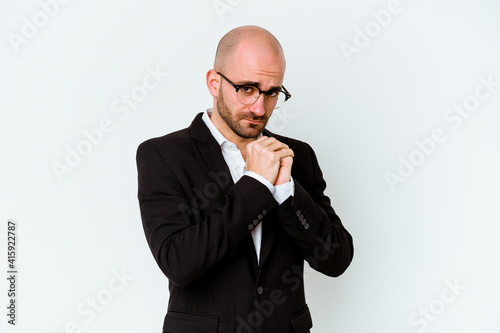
[210, 151]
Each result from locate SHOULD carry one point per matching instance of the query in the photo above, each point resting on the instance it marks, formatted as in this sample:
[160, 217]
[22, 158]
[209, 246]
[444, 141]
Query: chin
[249, 133]
[253, 130]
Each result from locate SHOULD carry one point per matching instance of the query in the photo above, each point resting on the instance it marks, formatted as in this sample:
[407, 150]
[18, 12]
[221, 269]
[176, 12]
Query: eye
[273, 93]
[248, 90]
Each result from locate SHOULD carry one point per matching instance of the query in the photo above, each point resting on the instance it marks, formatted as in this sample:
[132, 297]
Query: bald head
[243, 38]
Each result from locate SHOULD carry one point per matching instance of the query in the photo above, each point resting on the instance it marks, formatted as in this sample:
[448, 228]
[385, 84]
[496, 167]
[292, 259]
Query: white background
[362, 113]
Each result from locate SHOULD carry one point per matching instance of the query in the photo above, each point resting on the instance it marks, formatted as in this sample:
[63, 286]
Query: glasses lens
[249, 94]
[279, 100]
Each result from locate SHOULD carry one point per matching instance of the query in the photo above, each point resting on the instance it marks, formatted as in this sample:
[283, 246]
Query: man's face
[243, 123]
[254, 67]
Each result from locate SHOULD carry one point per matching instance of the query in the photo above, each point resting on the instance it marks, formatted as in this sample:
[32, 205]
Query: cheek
[238, 110]
[233, 105]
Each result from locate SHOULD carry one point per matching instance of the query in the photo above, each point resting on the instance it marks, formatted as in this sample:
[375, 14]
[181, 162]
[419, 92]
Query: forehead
[259, 63]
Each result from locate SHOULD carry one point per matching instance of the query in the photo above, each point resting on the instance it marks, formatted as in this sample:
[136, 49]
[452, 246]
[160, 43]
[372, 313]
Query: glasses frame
[266, 93]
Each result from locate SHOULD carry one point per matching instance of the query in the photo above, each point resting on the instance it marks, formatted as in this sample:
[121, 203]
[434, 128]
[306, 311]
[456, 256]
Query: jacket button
[260, 217]
[306, 226]
[298, 213]
[264, 212]
[255, 222]
[250, 226]
[260, 290]
[303, 222]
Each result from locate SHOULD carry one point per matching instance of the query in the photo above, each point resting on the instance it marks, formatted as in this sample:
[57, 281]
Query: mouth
[254, 121]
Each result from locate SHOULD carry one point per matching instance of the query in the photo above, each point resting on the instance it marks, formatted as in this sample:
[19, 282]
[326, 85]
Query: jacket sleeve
[184, 246]
[314, 227]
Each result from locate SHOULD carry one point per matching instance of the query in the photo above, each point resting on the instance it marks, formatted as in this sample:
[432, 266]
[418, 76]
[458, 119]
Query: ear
[213, 82]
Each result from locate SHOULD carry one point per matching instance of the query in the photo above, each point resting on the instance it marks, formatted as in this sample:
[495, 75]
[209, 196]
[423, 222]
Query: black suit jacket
[198, 226]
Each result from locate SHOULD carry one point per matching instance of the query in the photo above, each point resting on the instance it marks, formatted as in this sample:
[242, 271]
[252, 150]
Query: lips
[254, 121]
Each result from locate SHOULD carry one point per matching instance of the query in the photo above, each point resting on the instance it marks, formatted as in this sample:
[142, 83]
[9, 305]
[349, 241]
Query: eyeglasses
[248, 94]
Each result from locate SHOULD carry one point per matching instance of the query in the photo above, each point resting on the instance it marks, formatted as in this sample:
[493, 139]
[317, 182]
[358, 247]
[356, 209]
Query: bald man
[231, 211]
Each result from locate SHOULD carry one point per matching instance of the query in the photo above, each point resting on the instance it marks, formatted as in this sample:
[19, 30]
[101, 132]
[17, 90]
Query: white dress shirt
[236, 164]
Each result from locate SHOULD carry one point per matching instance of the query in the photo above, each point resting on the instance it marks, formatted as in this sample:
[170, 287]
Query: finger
[289, 152]
[262, 138]
[284, 153]
[286, 161]
[273, 144]
[257, 142]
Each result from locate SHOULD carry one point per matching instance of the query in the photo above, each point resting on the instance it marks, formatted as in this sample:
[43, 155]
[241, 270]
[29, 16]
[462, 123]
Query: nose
[259, 106]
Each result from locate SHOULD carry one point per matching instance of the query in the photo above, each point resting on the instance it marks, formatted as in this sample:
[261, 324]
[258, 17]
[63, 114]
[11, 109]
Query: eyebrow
[256, 84]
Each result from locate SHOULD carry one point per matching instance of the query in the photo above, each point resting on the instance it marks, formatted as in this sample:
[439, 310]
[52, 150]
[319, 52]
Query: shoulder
[168, 141]
[181, 140]
[166, 149]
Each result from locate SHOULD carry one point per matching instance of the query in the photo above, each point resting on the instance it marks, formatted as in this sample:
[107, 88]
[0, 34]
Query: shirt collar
[215, 132]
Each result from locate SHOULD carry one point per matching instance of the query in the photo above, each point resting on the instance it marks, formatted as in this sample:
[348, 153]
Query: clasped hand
[270, 159]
